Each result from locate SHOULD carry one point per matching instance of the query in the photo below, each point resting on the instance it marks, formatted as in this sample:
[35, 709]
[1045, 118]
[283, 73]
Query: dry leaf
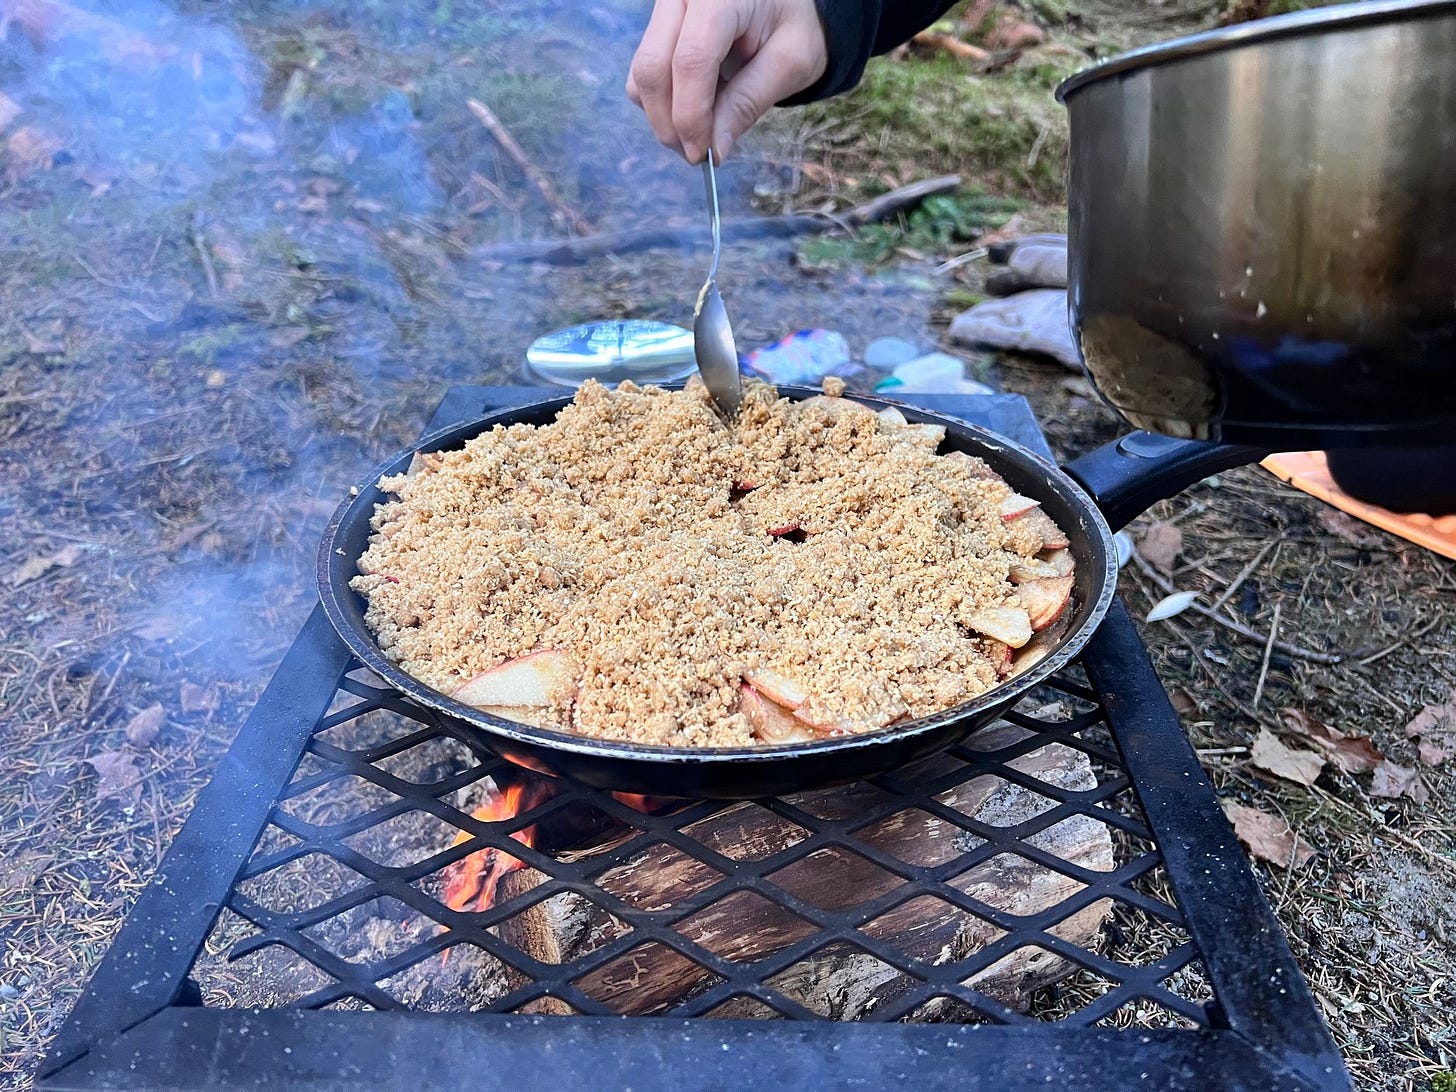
[63, 558]
[142, 729]
[1271, 756]
[117, 777]
[37, 345]
[199, 699]
[1348, 528]
[1351, 753]
[21, 873]
[160, 627]
[1393, 781]
[1160, 544]
[1267, 837]
[1004, 234]
[1435, 727]
[1184, 703]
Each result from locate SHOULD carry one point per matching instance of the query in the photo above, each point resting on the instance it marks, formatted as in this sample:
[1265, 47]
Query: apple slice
[786, 529]
[1040, 646]
[1016, 505]
[890, 417]
[999, 653]
[1045, 600]
[1010, 625]
[1061, 560]
[534, 715]
[776, 688]
[771, 723]
[926, 436]
[1044, 527]
[826, 724]
[1026, 569]
[535, 679]
[975, 466]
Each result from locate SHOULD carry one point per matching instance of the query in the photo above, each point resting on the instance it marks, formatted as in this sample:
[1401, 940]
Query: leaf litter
[1268, 837]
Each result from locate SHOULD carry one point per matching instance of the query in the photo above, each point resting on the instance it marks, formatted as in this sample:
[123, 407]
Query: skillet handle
[1128, 475]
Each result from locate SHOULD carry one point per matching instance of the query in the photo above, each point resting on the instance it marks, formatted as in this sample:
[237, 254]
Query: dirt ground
[241, 259]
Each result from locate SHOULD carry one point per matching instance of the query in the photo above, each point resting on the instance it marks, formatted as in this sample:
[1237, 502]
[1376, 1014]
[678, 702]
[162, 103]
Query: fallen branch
[949, 43]
[561, 212]
[570, 251]
[1237, 627]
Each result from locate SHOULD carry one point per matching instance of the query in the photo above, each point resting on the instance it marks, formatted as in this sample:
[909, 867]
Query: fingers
[791, 60]
[708, 33]
[650, 84]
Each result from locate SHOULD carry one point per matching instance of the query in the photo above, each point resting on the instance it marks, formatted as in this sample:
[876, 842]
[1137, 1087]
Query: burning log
[570, 251]
[843, 980]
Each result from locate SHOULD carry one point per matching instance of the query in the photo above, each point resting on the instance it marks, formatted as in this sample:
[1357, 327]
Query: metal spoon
[712, 332]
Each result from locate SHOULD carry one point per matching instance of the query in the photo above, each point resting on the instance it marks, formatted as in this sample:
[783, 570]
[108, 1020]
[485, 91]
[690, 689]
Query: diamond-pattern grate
[1005, 881]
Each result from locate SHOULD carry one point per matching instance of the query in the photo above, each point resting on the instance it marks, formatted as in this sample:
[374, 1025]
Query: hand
[706, 70]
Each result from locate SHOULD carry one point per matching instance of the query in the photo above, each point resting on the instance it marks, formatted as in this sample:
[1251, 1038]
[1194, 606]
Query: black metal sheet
[191, 1049]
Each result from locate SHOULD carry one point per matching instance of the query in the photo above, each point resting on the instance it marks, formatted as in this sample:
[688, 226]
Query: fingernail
[722, 143]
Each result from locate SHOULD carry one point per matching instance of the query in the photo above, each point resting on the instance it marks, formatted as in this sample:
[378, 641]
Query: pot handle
[1128, 475]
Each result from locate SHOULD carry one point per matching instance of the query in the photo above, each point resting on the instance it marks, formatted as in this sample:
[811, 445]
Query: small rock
[1028, 322]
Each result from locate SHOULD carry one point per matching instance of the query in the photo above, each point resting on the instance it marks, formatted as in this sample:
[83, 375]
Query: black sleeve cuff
[857, 29]
[850, 28]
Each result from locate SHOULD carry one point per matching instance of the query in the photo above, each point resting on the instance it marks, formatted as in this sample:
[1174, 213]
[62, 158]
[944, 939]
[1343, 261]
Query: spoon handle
[710, 181]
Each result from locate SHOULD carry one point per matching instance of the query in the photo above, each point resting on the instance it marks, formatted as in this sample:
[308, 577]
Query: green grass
[937, 225]
[1004, 129]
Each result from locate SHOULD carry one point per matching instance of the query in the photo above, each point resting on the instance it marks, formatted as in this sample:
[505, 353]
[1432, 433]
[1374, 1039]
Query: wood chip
[142, 729]
[1267, 837]
[1351, 753]
[1272, 756]
[1160, 544]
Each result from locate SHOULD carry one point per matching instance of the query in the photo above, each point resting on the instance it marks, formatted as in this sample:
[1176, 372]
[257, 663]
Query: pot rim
[1341, 16]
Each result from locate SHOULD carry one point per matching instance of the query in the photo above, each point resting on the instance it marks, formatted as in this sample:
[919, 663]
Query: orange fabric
[1307, 470]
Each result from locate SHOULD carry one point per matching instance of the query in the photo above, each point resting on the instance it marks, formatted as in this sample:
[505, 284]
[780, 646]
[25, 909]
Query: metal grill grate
[1000, 916]
[341, 901]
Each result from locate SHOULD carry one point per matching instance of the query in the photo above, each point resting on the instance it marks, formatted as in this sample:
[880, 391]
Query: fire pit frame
[140, 1020]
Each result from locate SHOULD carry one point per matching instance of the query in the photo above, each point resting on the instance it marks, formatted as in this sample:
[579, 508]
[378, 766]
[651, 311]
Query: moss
[936, 225]
[1004, 129]
[1444, 1081]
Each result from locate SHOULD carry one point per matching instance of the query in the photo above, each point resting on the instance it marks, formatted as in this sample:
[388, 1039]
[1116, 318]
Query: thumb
[787, 63]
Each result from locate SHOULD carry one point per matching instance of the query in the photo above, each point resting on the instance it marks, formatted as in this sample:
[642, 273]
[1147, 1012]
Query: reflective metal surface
[611, 351]
[1263, 227]
[712, 332]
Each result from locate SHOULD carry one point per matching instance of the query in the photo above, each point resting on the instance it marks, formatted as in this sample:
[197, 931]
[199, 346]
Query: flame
[471, 883]
[637, 802]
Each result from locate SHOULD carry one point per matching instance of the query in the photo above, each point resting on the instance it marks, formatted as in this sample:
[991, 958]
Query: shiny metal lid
[1313, 21]
[611, 351]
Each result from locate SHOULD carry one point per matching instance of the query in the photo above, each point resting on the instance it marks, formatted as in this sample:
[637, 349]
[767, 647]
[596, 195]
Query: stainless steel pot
[1263, 228]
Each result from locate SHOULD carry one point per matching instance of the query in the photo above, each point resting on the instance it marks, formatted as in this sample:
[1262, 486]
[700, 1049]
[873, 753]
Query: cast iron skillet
[1131, 473]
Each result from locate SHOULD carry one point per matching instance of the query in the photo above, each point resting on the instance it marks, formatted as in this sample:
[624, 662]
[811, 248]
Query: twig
[569, 251]
[961, 259]
[1404, 642]
[200, 245]
[948, 43]
[1229, 624]
[1387, 831]
[562, 213]
[1036, 147]
[1244, 573]
[1268, 650]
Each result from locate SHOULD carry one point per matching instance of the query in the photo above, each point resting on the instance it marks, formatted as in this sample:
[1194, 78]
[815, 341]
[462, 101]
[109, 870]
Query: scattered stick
[570, 251]
[1268, 650]
[1404, 642]
[199, 243]
[1244, 574]
[562, 213]
[949, 43]
[1236, 627]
